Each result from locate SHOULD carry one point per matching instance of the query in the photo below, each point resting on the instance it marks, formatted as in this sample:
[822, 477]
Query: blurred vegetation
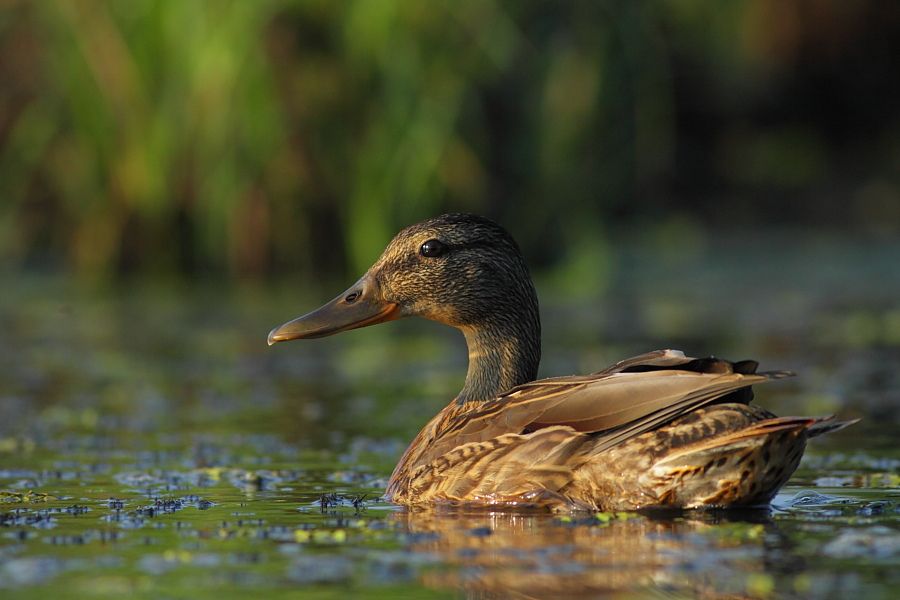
[253, 138]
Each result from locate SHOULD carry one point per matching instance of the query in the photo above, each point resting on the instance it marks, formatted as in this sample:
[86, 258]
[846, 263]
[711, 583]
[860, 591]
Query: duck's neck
[503, 353]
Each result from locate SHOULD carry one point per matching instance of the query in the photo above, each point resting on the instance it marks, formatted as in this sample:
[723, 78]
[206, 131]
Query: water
[151, 445]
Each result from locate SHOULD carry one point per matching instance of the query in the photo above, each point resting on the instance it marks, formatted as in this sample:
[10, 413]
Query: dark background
[246, 140]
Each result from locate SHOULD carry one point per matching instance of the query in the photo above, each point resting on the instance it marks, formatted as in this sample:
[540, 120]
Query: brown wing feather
[620, 398]
[618, 403]
[658, 358]
[719, 391]
[756, 430]
[510, 468]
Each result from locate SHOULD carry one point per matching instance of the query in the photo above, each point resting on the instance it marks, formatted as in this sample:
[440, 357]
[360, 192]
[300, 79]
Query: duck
[658, 430]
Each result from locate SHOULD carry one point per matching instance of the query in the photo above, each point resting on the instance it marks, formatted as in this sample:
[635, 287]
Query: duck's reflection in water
[537, 555]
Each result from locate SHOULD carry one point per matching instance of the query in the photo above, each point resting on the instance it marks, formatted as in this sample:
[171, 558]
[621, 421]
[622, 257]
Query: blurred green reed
[257, 137]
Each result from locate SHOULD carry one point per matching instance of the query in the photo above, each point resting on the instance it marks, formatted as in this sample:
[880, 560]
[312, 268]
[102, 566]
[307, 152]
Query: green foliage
[270, 135]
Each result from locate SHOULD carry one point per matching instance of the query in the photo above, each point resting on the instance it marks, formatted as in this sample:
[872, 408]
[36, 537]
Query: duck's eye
[433, 248]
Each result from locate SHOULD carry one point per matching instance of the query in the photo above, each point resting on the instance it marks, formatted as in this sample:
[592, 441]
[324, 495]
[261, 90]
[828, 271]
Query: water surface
[151, 445]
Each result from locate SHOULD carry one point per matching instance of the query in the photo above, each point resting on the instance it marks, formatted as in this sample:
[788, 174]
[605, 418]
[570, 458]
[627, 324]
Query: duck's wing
[633, 396]
[510, 469]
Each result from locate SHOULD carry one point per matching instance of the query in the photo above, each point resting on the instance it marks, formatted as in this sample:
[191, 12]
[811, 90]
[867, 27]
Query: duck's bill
[359, 306]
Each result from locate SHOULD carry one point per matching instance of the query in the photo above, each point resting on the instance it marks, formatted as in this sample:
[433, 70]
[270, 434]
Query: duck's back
[656, 430]
[721, 455]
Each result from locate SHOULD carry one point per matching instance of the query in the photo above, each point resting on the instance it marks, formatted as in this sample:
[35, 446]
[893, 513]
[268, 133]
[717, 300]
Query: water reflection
[119, 408]
[536, 555]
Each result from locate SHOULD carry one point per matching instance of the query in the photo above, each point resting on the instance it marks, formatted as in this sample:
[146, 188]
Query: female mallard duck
[660, 429]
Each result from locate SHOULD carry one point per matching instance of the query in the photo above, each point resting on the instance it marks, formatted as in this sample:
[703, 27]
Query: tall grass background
[253, 139]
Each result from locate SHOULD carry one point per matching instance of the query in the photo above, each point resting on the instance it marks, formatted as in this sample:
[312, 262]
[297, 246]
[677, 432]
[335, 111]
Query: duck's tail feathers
[827, 425]
[814, 426]
[742, 468]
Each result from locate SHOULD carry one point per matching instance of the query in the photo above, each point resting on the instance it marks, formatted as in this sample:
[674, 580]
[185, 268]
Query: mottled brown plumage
[659, 429]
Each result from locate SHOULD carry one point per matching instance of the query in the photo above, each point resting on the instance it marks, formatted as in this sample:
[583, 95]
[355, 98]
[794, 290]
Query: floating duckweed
[27, 497]
[756, 532]
[760, 585]
[11, 445]
[321, 535]
[884, 480]
[802, 584]
[169, 515]
[213, 473]
[891, 330]
[89, 418]
[179, 556]
[737, 532]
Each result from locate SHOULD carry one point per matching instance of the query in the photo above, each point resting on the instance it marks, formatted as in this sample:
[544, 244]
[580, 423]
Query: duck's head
[462, 270]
